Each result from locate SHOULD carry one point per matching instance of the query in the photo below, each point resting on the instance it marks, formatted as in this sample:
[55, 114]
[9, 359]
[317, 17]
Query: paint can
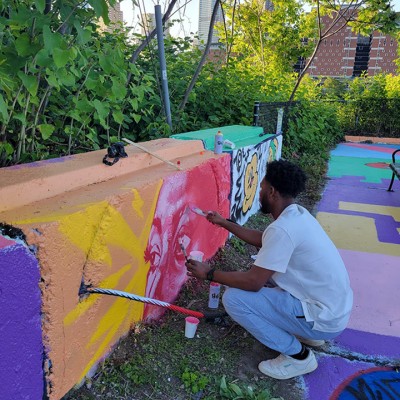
[218, 142]
[213, 296]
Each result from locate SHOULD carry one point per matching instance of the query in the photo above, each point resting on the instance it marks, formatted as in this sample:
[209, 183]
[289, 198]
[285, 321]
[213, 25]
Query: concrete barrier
[115, 227]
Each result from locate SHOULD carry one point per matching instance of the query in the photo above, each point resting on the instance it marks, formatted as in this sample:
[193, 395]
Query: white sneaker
[311, 342]
[285, 367]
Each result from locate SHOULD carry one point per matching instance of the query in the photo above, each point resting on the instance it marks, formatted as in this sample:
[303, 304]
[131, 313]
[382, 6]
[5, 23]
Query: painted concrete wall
[363, 220]
[249, 165]
[113, 227]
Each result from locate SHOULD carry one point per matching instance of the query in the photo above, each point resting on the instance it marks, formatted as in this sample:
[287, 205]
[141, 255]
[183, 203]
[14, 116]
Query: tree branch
[203, 57]
[148, 38]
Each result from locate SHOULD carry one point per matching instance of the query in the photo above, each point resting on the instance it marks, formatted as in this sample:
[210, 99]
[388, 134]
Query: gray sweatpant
[273, 316]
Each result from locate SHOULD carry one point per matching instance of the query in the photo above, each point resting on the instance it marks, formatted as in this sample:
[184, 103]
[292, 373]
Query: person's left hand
[197, 269]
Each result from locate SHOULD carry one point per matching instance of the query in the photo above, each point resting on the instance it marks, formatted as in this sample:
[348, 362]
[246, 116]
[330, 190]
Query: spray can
[213, 297]
[218, 142]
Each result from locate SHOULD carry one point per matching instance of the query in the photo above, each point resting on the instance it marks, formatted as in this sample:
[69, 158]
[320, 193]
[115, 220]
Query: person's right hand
[215, 218]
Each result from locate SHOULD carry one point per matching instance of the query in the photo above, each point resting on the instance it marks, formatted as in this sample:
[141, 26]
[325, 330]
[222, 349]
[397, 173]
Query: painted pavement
[363, 220]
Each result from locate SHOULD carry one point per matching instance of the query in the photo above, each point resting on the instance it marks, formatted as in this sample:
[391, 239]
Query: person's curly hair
[287, 178]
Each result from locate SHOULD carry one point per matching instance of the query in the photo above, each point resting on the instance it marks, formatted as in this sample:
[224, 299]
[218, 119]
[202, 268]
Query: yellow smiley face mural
[250, 183]
[272, 150]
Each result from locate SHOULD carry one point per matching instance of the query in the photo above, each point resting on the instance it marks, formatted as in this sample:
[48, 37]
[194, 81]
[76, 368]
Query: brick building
[347, 54]
[383, 53]
[116, 17]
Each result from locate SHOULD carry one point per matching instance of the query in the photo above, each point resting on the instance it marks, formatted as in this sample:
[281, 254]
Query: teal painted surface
[372, 170]
[241, 135]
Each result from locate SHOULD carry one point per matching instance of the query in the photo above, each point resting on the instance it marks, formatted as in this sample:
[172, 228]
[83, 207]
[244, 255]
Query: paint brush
[183, 250]
[198, 211]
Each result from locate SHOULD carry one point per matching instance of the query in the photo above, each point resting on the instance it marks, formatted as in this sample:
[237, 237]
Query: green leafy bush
[313, 128]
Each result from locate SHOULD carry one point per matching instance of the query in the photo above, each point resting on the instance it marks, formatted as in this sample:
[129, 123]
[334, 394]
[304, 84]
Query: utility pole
[163, 67]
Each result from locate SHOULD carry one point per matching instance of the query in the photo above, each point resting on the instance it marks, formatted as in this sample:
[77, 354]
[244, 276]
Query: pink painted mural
[206, 187]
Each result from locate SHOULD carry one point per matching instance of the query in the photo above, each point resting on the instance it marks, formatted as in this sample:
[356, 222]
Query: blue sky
[189, 13]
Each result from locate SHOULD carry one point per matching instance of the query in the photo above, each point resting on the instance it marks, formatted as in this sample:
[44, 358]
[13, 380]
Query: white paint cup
[191, 326]
[196, 255]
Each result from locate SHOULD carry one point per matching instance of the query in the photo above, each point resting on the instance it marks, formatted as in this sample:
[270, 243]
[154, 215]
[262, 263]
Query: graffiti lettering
[374, 384]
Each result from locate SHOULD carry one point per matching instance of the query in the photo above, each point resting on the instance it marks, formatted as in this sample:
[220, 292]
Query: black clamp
[115, 151]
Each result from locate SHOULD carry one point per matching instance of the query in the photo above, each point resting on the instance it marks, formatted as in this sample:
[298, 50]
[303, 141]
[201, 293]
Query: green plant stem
[22, 133]
[4, 127]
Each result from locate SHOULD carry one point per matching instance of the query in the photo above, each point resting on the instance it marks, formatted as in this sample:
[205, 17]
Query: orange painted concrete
[53, 177]
[87, 221]
[357, 139]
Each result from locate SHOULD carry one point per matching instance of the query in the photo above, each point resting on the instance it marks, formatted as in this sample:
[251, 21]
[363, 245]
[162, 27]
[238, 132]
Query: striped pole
[130, 296]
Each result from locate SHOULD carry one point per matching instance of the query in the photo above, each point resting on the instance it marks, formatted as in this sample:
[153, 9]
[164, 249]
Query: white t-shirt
[309, 267]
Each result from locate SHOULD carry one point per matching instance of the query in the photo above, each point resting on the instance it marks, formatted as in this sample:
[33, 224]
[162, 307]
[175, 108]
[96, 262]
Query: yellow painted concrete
[95, 243]
[371, 208]
[355, 233]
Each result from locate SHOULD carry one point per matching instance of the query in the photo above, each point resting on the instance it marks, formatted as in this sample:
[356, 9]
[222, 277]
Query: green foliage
[375, 15]
[235, 392]
[63, 86]
[312, 130]
[270, 39]
[333, 89]
[237, 244]
[370, 107]
[193, 381]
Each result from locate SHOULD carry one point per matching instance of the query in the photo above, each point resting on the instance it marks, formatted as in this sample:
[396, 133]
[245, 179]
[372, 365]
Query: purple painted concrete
[21, 347]
[369, 343]
[349, 188]
[375, 283]
[36, 164]
[332, 371]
